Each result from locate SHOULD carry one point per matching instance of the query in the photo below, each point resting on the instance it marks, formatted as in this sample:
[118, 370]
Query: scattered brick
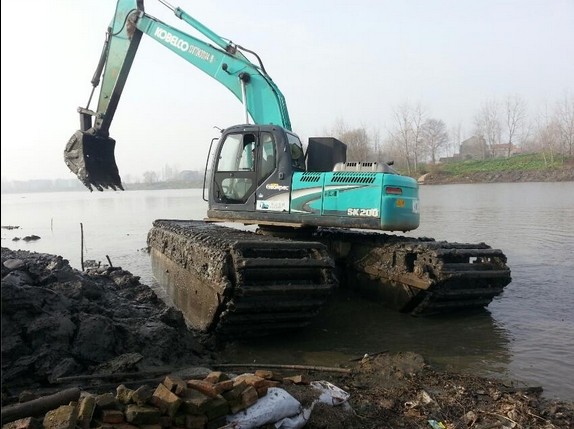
[298, 379]
[142, 395]
[106, 401]
[112, 416]
[216, 376]
[195, 402]
[175, 384]
[124, 395]
[204, 387]
[26, 423]
[63, 417]
[195, 422]
[86, 409]
[166, 401]
[143, 415]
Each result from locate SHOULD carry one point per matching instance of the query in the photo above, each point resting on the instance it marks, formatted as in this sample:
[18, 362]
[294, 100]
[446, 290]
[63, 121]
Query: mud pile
[58, 321]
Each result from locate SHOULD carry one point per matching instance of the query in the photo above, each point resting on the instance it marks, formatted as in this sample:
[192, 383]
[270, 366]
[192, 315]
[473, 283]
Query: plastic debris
[282, 410]
[271, 408]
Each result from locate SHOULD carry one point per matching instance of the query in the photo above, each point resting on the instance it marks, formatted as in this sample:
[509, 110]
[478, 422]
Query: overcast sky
[333, 60]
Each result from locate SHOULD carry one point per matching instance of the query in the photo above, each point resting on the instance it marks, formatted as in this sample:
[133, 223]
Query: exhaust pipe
[91, 158]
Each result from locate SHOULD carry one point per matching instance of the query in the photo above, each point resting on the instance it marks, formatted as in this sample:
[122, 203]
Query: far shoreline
[525, 176]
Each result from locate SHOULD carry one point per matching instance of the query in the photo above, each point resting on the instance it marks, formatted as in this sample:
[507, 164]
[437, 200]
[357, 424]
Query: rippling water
[526, 334]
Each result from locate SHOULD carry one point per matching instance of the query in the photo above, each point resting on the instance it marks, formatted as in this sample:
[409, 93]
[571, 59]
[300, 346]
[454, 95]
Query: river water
[526, 334]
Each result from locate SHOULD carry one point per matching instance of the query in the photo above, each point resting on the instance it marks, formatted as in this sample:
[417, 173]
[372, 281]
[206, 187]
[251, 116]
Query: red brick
[204, 387]
[168, 402]
[215, 377]
[64, 417]
[26, 423]
[112, 416]
[175, 384]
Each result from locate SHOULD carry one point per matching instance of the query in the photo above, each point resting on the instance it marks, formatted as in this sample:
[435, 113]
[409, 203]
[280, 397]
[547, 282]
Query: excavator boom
[90, 151]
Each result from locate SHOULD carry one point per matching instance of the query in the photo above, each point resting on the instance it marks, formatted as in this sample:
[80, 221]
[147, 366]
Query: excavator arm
[90, 151]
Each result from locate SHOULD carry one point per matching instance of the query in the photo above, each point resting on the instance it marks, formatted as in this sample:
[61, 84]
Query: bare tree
[150, 177]
[565, 121]
[358, 144]
[407, 133]
[417, 119]
[547, 137]
[402, 135]
[394, 152]
[434, 137]
[377, 144]
[515, 117]
[455, 138]
[487, 125]
[170, 172]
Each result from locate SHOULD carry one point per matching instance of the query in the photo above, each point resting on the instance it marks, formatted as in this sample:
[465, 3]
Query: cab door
[234, 175]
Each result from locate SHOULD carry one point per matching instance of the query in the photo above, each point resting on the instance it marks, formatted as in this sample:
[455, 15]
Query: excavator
[321, 221]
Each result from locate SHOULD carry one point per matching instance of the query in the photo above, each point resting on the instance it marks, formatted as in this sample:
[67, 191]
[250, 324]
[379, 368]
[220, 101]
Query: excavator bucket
[91, 158]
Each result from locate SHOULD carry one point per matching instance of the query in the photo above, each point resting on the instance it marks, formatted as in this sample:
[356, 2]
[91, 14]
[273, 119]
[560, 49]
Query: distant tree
[454, 141]
[417, 118]
[407, 132]
[547, 137]
[377, 143]
[565, 121]
[515, 118]
[150, 177]
[170, 173]
[359, 143]
[434, 137]
[487, 124]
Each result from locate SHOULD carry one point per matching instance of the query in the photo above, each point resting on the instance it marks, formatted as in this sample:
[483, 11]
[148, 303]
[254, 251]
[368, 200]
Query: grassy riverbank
[520, 168]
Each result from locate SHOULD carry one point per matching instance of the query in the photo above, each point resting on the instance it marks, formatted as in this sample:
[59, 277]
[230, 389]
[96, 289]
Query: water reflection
[351, 326]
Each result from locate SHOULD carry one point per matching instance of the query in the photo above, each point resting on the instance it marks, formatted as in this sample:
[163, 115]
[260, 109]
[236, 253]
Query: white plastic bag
[330, 394]
[271, 408]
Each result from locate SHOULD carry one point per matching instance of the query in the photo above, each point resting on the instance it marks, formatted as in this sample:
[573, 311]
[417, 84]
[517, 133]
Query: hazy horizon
[333, 61]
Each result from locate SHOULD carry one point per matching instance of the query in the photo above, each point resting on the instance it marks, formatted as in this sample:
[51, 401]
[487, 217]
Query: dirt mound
[58, 321]
[401, 390]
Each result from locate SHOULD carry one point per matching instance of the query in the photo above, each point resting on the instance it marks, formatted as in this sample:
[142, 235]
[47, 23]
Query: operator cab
[252, 164]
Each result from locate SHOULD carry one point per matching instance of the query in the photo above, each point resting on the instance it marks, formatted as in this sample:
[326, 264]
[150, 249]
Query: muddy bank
[565, 174]
[100, 329]
[58, 321]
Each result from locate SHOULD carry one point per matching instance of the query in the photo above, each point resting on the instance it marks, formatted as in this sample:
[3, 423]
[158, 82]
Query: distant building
[474, 148]
[190, 175]
[504, 150]
[447, 159]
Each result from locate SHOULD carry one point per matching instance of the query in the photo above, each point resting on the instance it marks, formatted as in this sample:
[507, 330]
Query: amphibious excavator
[320, 220]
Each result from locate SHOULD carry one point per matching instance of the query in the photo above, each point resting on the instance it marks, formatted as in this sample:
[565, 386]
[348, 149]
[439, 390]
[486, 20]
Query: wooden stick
[109, 261]
[114, 375]
[304, 367]
[40, 406]
[82, 244]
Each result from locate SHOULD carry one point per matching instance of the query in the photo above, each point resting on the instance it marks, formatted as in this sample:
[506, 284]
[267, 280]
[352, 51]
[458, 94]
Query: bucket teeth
[91, 158]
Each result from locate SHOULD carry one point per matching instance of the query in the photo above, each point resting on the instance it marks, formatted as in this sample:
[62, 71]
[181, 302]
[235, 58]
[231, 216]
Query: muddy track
[420, 276]
[238, 283]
